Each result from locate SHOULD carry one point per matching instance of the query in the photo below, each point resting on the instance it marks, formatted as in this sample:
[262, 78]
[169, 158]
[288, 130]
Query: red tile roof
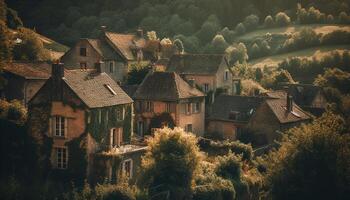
[29, 70]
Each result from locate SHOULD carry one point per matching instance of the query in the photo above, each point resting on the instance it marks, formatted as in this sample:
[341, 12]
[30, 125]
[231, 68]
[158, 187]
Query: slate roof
[206, 64]
[29, 70]
[124, 43]
[245, 106]
[166, 86]
[103, 49]
[278, 107]
[91, 88]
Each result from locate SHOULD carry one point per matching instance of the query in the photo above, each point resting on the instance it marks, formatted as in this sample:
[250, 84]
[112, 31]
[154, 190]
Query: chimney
[191, 82]
[289, 103]
[57, 74]
[139, 33]
[98, 66]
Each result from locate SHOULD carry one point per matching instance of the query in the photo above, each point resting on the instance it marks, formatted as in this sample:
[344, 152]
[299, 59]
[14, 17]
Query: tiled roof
[278, 94]
[278, 107]
[129, 89]
[124, 43]
[244, 106]
[103, 49]
[166, 86]
[195, 63]
[92, 88]
[29, 70]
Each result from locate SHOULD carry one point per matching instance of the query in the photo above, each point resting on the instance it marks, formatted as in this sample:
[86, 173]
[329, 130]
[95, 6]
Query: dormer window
[110, 89]
[82, 51]
[233, 115]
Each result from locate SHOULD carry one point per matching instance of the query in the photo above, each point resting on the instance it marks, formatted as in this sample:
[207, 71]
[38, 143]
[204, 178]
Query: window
[61, 157]
[116, 137]
[127, 168]
[149, 106]
[168, 107]
[83, 65]
[196, 107]
[111, 67]
[206, 87]
[60, 126]
[120, 114]
[82, 51]
[138, 106]
[226, 75]
[110, 89]
[188, 108]
[140, 128]
[188, 128]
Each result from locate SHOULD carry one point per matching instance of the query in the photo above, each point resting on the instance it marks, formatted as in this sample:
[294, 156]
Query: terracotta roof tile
[124, 43]
[166, 86]
[29, 70]
[92, 88]
[195, 63]
[278, 107]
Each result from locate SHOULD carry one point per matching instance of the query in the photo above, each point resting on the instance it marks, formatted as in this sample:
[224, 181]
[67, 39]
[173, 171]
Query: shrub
[282, 19]
[307, 37]
[344, 18]
[269, 22]
[254, 51]
[112, 192]
[312, 162]
[251, 22]
[336, 37]
[240, 29]
[330, 19]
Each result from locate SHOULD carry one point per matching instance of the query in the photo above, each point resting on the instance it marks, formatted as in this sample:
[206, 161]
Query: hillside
[285, 31]
[318, 52]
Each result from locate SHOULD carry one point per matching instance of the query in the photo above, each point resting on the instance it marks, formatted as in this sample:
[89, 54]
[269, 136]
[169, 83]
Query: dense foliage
[195, 21]
[312, 162]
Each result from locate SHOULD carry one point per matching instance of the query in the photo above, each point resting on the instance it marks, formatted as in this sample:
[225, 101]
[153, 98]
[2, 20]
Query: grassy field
[319, 28]
[318, 52]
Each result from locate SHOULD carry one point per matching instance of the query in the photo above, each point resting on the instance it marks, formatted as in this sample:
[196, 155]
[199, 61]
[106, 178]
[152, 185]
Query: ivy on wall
[100, 130]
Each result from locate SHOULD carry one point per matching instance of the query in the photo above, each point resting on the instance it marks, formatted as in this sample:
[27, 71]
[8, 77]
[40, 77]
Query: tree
[218, 45]
[237, 53]
[268, 22]
[251, 22]
[240, 29]
[152, 35]
[255, 51]
[5, 42]
[179, 45]
[258, 74]
[282, 19]
[312, 162]
[29, 46]
[136, 75]
[3, 10]
[170, 163]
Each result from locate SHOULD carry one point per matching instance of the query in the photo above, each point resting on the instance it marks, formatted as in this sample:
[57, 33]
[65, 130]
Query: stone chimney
[98, 67]
[57, 74]
[289, 103]
[139, 33]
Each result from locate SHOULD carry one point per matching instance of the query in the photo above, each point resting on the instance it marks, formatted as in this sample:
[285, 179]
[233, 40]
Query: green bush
[251, 22]
[269, 22]
[282, 19]
[240, 29]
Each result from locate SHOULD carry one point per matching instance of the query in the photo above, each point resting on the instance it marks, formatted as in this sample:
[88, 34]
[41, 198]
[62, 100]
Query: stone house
[165, 99]
[24, 79]
[209, 71]
[82, 122]
[309, 97]
[230, 114]
[274, 116]
[118, 52]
